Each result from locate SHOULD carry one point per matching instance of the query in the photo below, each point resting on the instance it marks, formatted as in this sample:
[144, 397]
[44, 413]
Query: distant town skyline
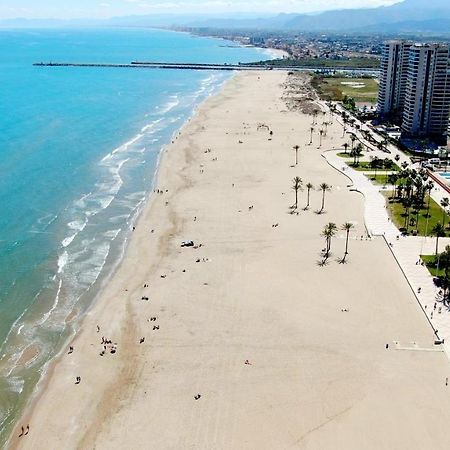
[70, 9]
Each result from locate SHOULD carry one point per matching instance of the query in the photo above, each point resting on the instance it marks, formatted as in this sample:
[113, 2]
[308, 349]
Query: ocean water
[78, 152]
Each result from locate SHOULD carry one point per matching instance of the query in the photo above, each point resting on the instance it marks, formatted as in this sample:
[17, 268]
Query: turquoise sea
[78, 152]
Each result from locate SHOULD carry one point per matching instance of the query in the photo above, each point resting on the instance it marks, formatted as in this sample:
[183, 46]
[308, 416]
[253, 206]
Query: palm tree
[439, 231]
[393, 178]
[428, 188]
[309, 187]
[324, 187]
[356, 153]
[445, 204]
[296, 186]
[328, 233]
[345, 147]
[353, 139]
[346, 227]
[296, 147]
[320, 141]
[312, 131]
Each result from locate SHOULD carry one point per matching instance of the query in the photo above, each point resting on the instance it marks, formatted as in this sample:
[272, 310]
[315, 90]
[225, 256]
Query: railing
[438, 181]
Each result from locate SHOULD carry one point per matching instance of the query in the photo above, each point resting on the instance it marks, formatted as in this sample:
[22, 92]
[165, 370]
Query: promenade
[405, 249]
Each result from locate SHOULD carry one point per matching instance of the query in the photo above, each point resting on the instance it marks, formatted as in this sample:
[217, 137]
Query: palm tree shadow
[322, 262]
[319, 211]
[341, 260]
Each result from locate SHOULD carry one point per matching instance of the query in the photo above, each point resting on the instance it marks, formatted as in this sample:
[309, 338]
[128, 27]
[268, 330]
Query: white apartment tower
[394, 69]
[427, 95]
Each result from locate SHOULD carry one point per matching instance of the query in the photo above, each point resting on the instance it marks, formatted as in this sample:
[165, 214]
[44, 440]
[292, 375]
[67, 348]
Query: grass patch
[365, 166]
[382, 180]
[360, 89]
[425, 224]
[356, 62]
[429, 261]
[344, 155]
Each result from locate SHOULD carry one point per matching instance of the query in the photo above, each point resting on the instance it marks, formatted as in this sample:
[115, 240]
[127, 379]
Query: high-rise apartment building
[427, 97]
[415, 88]
[394, 68]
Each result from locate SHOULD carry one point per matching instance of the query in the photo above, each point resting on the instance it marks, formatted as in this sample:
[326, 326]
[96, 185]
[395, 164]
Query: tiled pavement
[406, 250]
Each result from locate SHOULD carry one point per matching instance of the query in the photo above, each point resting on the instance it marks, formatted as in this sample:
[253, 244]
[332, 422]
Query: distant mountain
[376, 19]
[405, 16]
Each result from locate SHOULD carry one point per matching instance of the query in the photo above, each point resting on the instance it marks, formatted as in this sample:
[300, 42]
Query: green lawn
[344, 155]
[360, 89]
[429, 262]
[379, 179]
[364, 166]
[396, 212]
[354, 62]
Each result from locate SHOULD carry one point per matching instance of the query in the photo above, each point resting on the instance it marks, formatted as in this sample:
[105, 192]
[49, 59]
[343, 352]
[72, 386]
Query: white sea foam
[151, 126]
[90, 269]
[169, 105]
[16, 384]
[112, 234]
[78, 226]
[54, 306]
[81, 202]
[62, 261]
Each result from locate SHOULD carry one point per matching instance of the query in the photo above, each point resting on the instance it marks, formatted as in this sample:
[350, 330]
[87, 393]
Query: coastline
[206, 337]
[79, 326]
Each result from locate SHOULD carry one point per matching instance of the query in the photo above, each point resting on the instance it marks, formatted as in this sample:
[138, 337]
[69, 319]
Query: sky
[69, 9]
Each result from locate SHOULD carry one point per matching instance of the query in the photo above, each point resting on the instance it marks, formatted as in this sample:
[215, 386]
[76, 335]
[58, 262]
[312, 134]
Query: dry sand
[318, 378]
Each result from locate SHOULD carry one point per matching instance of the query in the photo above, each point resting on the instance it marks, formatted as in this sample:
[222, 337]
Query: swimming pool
[445, 175]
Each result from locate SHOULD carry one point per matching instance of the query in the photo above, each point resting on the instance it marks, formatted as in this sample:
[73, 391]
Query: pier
[209, 66]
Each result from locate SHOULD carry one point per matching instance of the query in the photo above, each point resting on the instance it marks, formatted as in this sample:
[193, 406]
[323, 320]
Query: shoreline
[49, 367]
[223, 308]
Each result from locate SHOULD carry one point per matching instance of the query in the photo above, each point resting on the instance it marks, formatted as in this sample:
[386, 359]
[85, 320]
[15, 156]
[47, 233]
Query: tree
[393, 178]
[324, 187]
[346, 227]
[445, 204]
[296, 186]
[443, 262]
[309, 187]
[356, 153]
[397, 158]
[374, 164]
[353, 139]
[438, 231]
[345, 147]
[428, 188]
[296, 147]
[328, 233]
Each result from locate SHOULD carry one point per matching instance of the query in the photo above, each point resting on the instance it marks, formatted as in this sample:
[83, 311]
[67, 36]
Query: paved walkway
[406, 250]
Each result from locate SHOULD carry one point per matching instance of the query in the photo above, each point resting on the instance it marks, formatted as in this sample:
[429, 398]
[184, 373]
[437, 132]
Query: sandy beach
[253, 344]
